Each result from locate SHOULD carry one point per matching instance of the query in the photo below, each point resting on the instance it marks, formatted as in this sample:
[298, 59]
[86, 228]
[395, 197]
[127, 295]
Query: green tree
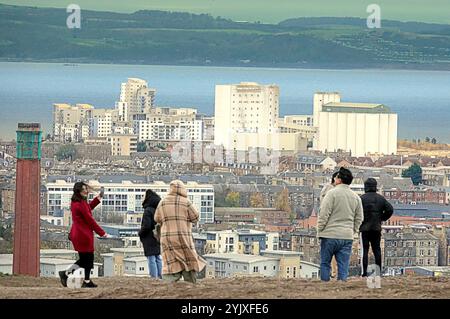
[414, 172]
[233, 199]
[66, 152]
[142, 147]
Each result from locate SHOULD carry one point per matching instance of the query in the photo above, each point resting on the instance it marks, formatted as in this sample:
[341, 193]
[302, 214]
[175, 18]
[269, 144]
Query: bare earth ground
[12, 287]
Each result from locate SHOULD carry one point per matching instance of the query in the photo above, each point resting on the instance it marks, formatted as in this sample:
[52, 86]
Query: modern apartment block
[136, 98]
[124, 196]
[241, 241]
[278, 264]
[101, 123]
[234, 265]
[71, 123]
[115, 261]
[123, 144]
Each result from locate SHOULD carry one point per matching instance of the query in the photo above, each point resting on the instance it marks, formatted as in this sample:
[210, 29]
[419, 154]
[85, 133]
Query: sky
[269, 11]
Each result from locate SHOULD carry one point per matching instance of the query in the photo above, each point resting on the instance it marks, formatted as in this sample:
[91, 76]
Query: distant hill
[160, 37]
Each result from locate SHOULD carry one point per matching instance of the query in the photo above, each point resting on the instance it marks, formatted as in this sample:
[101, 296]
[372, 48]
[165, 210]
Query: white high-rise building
[359, 128]
[101, 123]
[122, 111]
[176, 131]
[135, 98]
[245, 112]
[71, 123]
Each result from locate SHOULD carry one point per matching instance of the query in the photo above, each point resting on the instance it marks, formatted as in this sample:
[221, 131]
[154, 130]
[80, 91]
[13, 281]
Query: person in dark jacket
[152, 248]
[376, 210]
[82, 233]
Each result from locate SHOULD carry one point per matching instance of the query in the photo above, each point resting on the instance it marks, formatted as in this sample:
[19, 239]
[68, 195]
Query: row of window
[410, 244]
[409, 262]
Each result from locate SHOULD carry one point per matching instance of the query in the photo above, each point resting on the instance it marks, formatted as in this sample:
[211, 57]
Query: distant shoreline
[337, 67]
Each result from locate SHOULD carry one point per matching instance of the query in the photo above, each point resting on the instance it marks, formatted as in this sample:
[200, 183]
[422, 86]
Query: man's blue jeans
[342, 250]
[155, 266]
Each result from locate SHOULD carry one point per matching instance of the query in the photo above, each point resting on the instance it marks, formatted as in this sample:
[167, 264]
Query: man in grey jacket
[340, 216]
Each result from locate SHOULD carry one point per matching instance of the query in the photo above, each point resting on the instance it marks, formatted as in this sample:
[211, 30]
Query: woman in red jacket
[81, 235]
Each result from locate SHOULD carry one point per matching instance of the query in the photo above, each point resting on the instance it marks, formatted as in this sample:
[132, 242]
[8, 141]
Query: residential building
[359, 128]
[56, 221]
[429, 271]
[8, 196]
[313, 163]
[251, 215]
[290, 264]
[169, 130]
[242, 241]
[113, 262]
[123, 145]
[122, 194]
[408, 248]
[306, 242]
[416, 195]
[121, 231]
[136, 266]
[309, 270]
[222, 241]
[50, 267]
[272, 241]
[251, 241]
[200, 241]
[101, 123]
[59, 253]
[237, 265]
[136, 99]
[440, 232]
[133, 219]
[71, 123]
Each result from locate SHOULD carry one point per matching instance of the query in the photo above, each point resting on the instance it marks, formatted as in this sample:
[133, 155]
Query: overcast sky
[271, 11]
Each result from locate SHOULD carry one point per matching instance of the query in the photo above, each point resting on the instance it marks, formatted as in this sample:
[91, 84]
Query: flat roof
[241, 258]
[136, 259]
[57, 261]
[355, 108]
[283, 252]
[126, 250]
[57, 251]
[309, 263]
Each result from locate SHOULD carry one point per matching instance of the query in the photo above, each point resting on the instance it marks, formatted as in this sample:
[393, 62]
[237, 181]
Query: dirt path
[258, 288]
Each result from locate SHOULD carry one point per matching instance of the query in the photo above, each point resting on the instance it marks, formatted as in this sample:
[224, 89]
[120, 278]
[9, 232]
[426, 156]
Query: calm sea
[28, 90]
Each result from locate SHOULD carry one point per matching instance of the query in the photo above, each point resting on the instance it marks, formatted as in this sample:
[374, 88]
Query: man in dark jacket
[151, 245]
[376, 210]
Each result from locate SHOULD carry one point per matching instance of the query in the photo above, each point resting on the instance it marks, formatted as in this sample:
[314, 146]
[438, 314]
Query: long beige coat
[176, 215]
